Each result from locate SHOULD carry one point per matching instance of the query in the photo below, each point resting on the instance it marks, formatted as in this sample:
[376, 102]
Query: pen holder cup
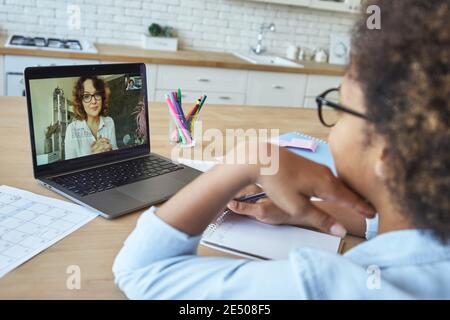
[180, 137]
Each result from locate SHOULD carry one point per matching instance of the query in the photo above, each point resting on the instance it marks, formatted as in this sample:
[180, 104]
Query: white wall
[218, 25]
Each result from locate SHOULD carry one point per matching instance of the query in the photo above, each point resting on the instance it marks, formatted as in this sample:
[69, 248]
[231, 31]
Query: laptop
[90, 138]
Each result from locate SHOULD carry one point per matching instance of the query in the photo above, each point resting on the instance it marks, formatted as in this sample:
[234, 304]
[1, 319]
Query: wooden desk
[94, 246]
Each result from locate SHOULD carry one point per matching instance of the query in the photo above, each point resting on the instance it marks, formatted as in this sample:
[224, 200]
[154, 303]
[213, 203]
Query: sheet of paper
[199, 165]
[30, 223]
[246, 236]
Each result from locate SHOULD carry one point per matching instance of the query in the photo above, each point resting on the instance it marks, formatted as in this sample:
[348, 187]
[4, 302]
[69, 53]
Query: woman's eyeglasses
[87, 97]
[330, 98]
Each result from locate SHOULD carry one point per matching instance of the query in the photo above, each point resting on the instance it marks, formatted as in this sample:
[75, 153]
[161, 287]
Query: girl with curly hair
[391, 146]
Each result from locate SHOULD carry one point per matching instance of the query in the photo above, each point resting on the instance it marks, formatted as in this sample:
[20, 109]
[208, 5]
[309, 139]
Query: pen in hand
[251, 197]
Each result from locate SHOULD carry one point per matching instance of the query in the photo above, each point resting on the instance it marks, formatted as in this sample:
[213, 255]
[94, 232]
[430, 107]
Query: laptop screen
[87, 115]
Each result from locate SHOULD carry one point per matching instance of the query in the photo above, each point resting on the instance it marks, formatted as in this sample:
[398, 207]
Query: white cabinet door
[2, 77]
[276, 89]
[317, 85]
[303, 3]
[15, 63]
[189, 97]
[186, 96]
[201, 79]
[152, 75]
[349, 6]
[15, 85]
[310, 103]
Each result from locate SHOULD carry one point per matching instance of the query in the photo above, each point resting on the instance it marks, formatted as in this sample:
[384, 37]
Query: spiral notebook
[249, 238]
[322, 153]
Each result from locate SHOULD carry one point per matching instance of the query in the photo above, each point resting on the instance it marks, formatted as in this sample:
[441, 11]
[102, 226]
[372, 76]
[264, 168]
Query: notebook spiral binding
[310, 137]
[211, 228]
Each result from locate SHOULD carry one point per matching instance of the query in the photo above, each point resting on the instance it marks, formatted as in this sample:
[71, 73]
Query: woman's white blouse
[79, 137]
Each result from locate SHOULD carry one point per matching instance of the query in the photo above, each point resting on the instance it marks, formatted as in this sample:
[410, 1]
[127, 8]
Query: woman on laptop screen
[92, 131]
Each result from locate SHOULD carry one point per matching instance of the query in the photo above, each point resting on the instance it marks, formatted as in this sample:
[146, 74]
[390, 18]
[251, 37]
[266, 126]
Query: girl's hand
[263, 210]
[266, 211]
[296, 181]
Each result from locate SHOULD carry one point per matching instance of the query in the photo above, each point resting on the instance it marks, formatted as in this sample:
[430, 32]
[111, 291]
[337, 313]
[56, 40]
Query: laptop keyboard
[115, 175]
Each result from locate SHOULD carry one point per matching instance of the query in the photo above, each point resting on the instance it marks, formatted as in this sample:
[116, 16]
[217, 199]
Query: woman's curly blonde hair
[404, 72]
[100, 86]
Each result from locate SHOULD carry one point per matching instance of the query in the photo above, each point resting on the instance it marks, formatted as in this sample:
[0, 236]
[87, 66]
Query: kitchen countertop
[122, 53]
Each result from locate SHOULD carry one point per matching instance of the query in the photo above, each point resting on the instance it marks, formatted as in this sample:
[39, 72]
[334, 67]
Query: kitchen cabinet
[276, 89]
[303, 3]
[152, 72]
[316, 85]
[213, 97]
[19, 63]
[2, 77]
[14, 66]
[229, 86]
[223, 86]
[15, 85]
[201, 78]
[348, 6]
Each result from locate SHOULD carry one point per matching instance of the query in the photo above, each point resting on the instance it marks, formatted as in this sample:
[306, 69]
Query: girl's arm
[195, 206]
[158, 259]
[290, 187]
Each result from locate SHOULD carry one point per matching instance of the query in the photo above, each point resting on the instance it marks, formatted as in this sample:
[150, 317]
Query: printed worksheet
[30, 223]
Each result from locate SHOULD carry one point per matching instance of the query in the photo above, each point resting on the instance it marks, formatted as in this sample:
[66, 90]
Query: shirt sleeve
[372, 227]
[158, 261]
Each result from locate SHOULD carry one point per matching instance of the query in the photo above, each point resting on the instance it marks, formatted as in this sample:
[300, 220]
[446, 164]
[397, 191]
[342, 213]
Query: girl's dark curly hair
[403, 70]
[78, 90]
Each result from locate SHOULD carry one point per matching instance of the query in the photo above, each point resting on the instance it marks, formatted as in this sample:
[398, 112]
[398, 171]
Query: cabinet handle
[204, 80]
[224, 98]
[278, 87]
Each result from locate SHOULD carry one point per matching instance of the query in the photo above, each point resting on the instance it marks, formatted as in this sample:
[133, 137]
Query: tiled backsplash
[218, 25]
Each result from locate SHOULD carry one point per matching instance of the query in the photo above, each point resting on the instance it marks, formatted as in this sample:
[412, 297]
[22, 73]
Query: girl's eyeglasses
[330, 98]
[87, 97]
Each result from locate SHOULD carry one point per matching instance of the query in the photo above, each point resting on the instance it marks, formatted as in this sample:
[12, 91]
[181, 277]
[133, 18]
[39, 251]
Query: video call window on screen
[80, 116]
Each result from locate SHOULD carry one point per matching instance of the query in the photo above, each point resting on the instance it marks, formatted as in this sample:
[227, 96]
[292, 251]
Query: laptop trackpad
[153, 190]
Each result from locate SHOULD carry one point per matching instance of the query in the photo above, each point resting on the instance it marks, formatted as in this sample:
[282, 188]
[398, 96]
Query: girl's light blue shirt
[159, 262]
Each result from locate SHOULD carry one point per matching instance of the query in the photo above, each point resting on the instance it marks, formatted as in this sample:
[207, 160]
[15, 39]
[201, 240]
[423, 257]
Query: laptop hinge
[93, 167]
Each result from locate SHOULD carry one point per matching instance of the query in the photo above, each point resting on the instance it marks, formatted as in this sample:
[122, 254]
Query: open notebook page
[250, 238]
